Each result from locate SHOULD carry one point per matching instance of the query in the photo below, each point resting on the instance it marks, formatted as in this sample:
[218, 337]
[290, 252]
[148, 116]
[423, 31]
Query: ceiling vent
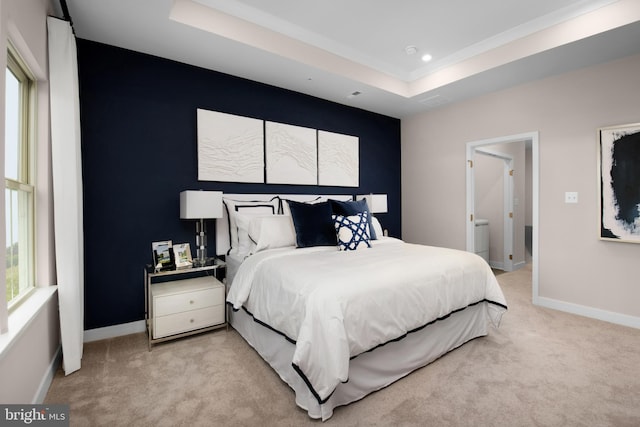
[410, 50]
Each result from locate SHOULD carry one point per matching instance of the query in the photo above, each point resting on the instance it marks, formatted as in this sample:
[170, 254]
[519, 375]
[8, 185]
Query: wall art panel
[291, 154]
[230, 148]
[338, 159]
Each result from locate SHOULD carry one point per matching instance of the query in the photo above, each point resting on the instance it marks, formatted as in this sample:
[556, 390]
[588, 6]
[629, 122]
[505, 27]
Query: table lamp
[377, 202]
[200, 205]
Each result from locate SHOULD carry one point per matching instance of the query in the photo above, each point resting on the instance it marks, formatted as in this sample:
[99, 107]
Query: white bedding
[233, 262]
[335, 305]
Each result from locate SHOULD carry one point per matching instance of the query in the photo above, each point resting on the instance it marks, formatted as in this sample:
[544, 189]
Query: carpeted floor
[541, 368]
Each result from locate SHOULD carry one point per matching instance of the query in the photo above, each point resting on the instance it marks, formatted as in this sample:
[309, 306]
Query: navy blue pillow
[313, 224]
[350, 208]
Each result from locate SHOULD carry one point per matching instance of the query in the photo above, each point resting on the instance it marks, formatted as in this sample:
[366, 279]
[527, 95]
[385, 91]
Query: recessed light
[426, 57]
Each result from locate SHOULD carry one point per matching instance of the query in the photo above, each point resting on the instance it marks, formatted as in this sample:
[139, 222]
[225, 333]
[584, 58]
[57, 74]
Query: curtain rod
[65, 12]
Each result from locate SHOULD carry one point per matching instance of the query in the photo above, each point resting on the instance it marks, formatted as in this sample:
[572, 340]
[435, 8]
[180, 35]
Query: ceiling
[355, 52]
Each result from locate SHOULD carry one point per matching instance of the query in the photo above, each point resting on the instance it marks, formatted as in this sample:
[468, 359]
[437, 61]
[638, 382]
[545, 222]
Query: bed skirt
[369, 371]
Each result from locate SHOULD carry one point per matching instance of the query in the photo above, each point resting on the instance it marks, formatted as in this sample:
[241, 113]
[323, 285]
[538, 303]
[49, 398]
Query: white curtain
[67, 188]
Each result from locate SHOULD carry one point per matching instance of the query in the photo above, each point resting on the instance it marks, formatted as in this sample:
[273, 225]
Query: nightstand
[184, 302]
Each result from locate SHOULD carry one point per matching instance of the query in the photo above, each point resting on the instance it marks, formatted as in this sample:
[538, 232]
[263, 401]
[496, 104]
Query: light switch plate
[571, 197]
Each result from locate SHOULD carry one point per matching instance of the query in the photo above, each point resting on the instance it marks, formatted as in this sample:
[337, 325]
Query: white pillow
[270, 232]
[253, 207]
[377, 227]
[285, 204]
[245, 245]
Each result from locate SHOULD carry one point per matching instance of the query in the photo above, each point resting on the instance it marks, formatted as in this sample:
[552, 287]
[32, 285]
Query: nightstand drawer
[186, 321]
[187, 301]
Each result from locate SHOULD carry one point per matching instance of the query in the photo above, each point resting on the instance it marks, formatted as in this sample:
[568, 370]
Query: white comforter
[335, 305]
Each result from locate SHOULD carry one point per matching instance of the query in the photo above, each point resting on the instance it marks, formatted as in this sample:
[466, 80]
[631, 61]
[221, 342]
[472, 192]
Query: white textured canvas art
[338, 160]
[230, 147]
[291, 154]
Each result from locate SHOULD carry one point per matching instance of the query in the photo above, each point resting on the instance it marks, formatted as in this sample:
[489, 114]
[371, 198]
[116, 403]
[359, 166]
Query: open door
[494, 202]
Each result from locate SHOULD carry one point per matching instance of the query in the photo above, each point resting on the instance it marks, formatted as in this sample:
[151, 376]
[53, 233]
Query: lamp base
[201, 245]
[203, 262]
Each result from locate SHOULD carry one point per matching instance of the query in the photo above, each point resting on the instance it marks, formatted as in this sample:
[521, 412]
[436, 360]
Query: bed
[336, 323]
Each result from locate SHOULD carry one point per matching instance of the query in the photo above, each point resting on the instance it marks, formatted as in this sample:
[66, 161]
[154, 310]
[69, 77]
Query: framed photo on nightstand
[163, 258]
[182, 254]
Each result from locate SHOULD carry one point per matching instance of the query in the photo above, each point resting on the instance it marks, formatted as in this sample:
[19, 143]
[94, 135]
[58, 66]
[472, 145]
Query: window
[19, 190]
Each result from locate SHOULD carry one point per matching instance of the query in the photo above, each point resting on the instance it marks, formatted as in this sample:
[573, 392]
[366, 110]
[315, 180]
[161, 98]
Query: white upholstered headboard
[222, 224]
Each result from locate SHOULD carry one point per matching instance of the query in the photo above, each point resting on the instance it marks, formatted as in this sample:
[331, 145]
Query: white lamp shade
[200, 204]
[377, 202]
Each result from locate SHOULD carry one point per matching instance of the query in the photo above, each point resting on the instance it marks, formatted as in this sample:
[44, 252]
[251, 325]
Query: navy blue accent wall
[138, 122]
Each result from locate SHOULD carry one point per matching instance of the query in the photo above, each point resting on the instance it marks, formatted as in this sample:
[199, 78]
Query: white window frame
[24, 184]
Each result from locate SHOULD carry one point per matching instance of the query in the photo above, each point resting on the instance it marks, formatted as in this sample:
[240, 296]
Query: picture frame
[163, 257]
[182, 255]
[619, 182]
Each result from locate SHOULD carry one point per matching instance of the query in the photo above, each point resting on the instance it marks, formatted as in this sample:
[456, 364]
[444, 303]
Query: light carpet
[540, 368]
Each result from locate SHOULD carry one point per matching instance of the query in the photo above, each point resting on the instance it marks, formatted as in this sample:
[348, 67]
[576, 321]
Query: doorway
[530, 140]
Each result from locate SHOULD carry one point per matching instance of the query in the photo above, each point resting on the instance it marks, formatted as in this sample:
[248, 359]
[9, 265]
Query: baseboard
[594, 313]
[47, 379]
[518, 265]
[114, 331]
[496, 265]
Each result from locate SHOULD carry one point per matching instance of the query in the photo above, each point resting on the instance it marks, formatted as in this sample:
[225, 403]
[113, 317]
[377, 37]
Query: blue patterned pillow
[348, 208]
[352, 231]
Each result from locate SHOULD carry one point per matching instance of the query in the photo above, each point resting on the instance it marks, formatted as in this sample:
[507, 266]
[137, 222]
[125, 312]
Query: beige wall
[26, 364]
[25, 368]
[575, 267]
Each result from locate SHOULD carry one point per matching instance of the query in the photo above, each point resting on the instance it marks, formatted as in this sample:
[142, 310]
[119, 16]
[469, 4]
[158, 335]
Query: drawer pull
[191, 320]
[191, 302]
